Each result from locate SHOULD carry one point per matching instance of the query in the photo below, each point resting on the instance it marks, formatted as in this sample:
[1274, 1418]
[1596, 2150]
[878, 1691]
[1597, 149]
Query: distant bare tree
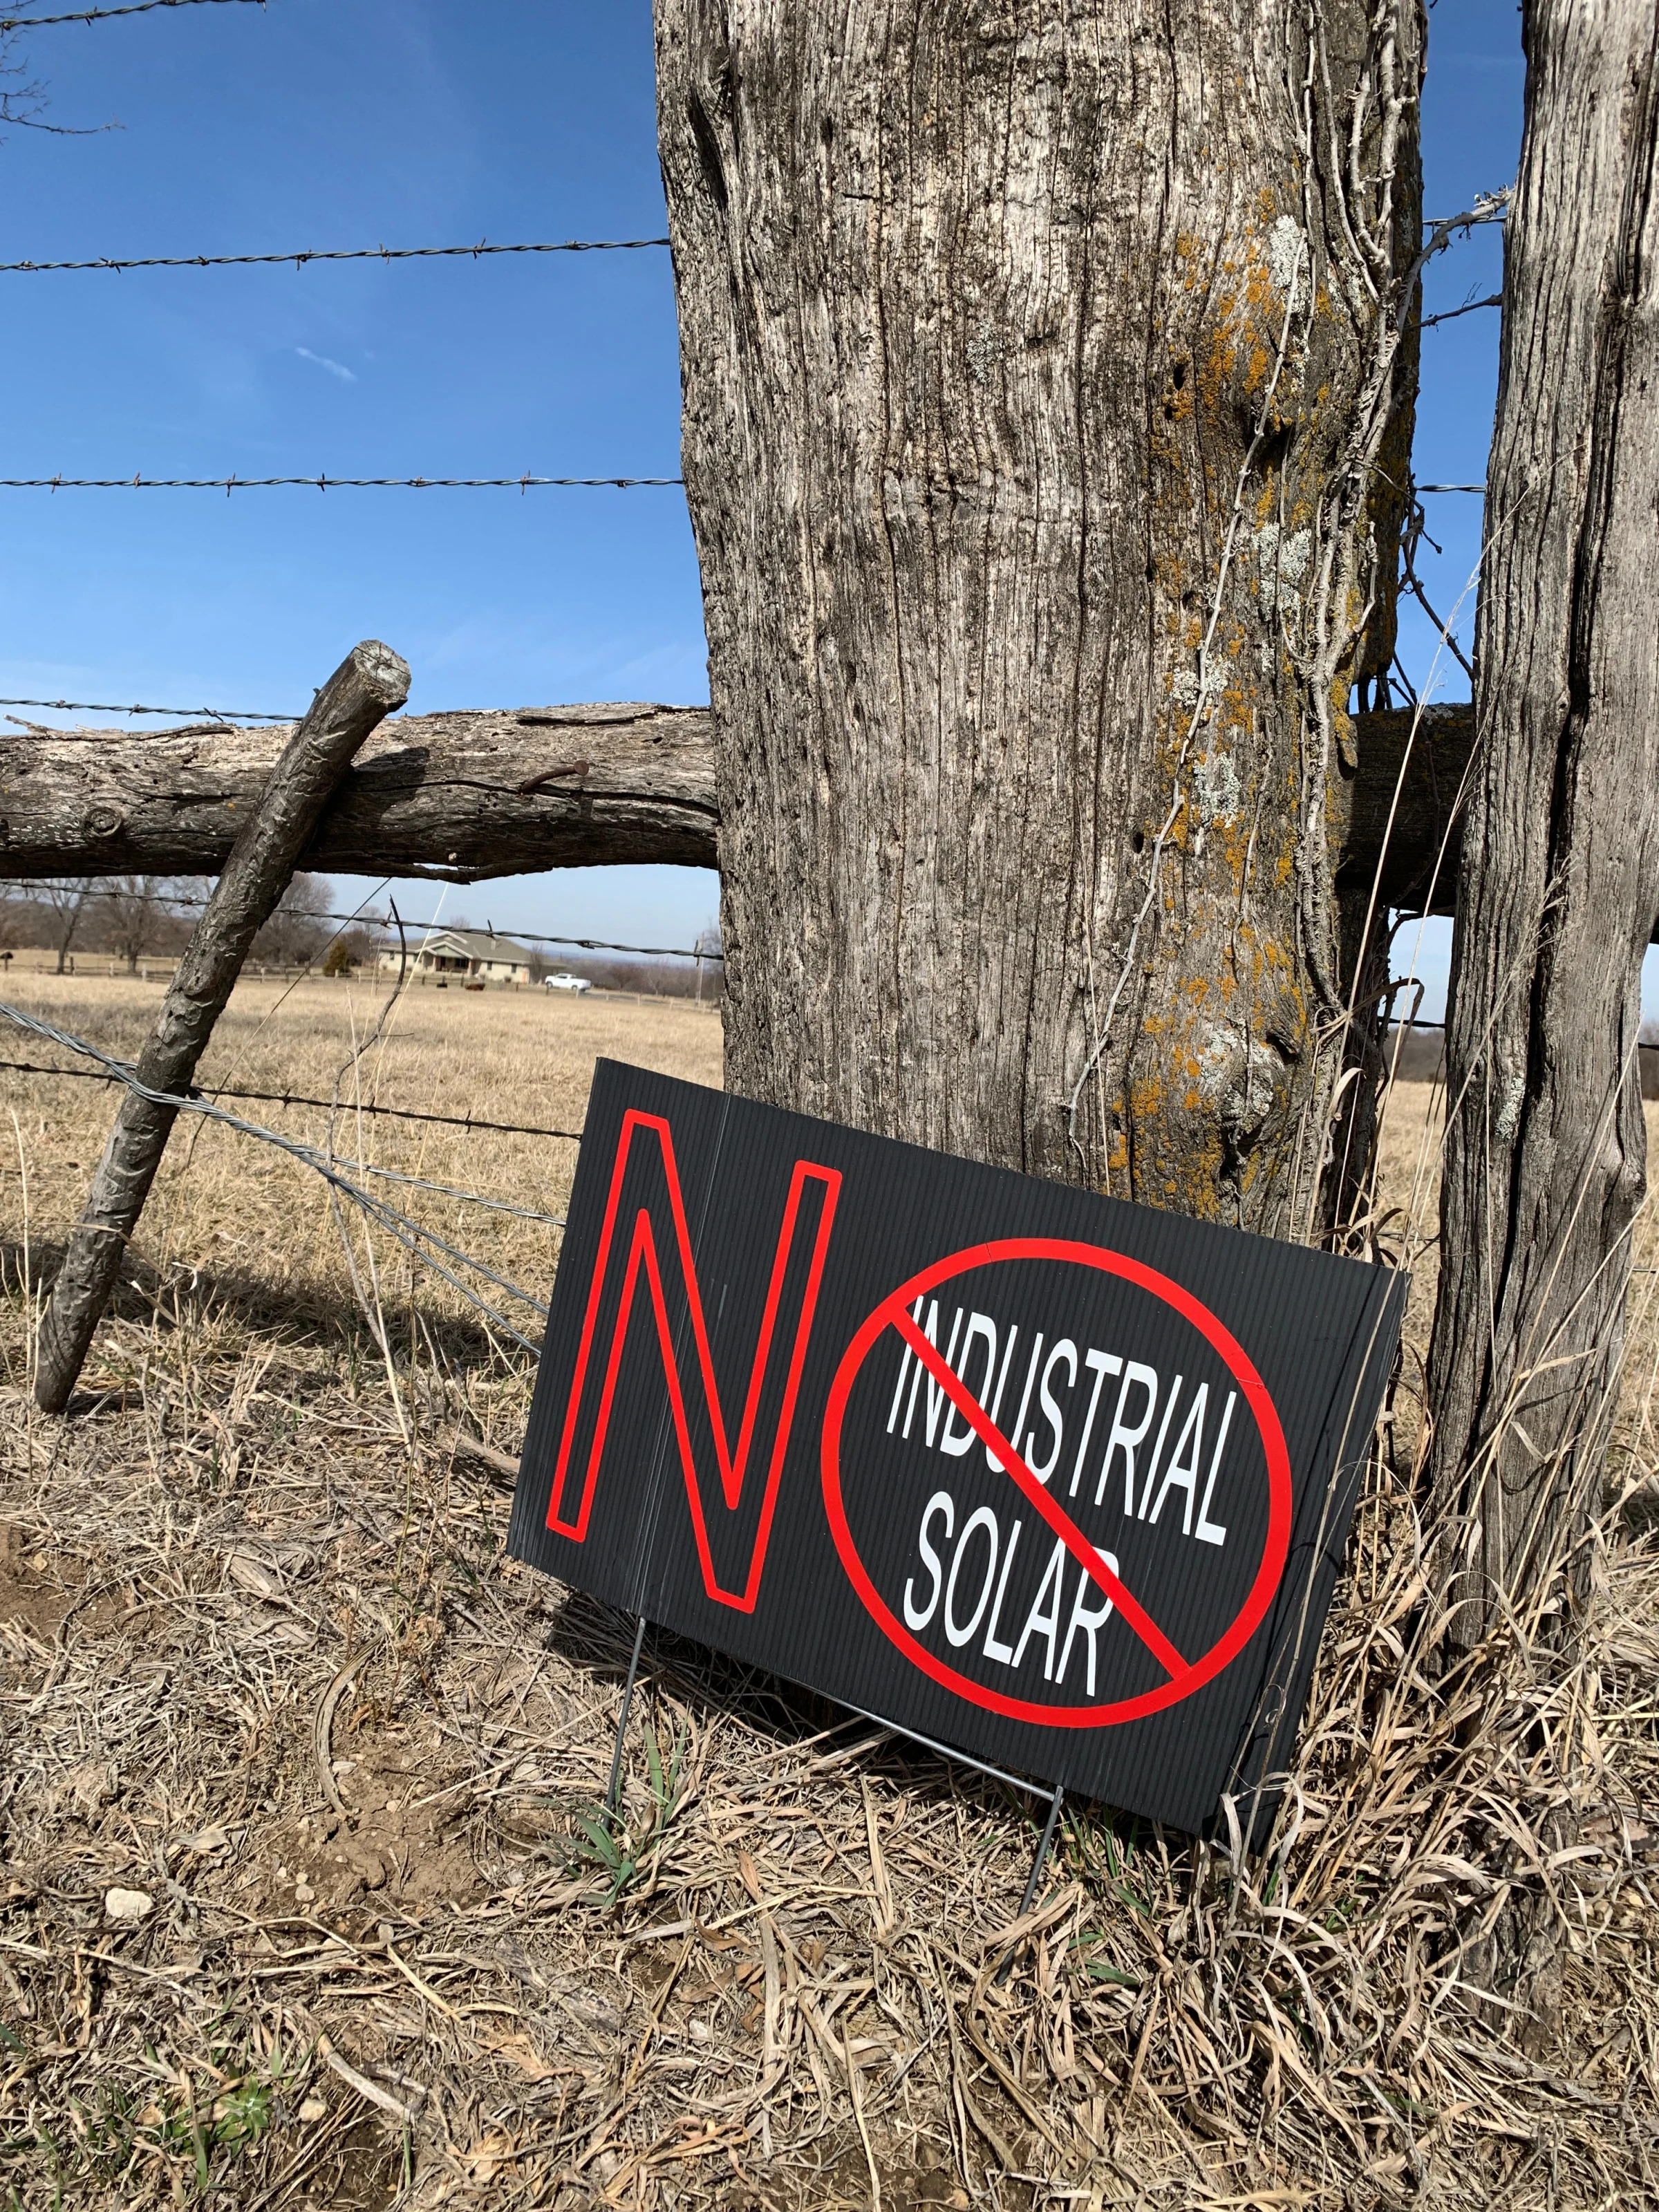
[66, 903]
[14, 910]
[293, 937]
[135, 916]
[361, 942]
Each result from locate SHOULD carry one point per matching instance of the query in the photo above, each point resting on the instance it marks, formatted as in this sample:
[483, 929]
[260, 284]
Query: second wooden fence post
[366, 686]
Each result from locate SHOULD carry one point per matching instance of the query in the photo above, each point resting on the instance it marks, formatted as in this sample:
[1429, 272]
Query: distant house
[474, 955]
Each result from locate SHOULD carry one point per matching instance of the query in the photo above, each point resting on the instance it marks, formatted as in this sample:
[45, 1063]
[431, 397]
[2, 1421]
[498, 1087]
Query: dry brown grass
[264, 1662]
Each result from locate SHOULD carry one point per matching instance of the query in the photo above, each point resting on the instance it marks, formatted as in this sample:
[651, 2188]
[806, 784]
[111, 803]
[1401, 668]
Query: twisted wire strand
[469, 1122]
[433, 928]
[451, 1190]
[104, 707]
[401, 1226]
[345, 1106]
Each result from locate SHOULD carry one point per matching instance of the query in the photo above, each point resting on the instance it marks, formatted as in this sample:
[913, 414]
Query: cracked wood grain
[1545, 1154]
[983, 314]
[461, 796]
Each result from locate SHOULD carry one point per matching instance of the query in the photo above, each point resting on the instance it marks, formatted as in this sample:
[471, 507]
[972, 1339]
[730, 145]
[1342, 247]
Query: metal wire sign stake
[1053, 1484]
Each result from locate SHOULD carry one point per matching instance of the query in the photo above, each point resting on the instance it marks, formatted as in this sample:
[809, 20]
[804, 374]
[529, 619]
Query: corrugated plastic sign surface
[1058, 1481]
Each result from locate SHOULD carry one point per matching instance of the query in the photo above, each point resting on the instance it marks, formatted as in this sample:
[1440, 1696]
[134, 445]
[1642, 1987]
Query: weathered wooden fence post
[366, 687]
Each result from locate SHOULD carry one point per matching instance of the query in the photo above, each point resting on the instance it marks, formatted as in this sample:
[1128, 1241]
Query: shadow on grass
[305, 1312]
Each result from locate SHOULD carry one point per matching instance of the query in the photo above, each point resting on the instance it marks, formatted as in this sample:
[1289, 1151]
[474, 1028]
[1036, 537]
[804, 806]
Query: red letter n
[643, 1253]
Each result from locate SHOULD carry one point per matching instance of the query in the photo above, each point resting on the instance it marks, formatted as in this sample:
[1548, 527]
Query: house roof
[471, 944]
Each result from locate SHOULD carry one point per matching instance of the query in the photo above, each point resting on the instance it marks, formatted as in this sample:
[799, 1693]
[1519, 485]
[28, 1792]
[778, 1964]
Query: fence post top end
[386, 673]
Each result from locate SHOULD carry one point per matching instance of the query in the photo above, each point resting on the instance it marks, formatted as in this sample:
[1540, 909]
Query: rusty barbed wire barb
[482, 250]
[371, 921]
[467, 1121]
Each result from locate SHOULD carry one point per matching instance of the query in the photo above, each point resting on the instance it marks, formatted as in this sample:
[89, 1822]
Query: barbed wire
[103, 707]
[228, 485]
[467, 1121]
[1479, 488]
[327, 914]
[482, 252]
[343, 1106]
[99, 15]
[406, 1231]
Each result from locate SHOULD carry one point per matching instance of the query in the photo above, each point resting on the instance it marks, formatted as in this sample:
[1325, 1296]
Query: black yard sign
[1058, 1481]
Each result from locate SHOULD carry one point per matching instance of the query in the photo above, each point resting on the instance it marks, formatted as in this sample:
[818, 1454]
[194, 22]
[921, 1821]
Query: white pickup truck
[566, 983]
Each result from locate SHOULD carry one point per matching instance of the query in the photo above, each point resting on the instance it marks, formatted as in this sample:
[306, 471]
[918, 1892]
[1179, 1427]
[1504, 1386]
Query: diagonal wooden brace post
[366, 687]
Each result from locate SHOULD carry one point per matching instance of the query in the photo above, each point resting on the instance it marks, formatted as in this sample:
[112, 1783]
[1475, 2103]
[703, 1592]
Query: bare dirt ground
[302, 1897]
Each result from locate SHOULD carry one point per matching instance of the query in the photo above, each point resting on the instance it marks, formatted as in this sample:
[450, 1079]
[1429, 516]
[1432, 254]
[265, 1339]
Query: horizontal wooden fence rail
[457, 797]
[465, 796]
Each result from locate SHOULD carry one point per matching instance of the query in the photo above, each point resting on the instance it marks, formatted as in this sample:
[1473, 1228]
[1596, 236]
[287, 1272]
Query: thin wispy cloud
[334, 367]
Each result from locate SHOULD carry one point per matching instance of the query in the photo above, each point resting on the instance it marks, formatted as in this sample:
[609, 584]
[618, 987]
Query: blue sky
[329, 122]
[352, 122]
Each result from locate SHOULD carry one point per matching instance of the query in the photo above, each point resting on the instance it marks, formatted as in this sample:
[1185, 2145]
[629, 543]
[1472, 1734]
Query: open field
[267, 1676]
[226, 1204]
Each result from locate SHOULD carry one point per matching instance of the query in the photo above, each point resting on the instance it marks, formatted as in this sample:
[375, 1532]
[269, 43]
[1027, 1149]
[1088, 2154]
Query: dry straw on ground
[298, 1906]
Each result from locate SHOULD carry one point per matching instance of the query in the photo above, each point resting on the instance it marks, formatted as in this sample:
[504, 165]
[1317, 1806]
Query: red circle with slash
[1185, 1676]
